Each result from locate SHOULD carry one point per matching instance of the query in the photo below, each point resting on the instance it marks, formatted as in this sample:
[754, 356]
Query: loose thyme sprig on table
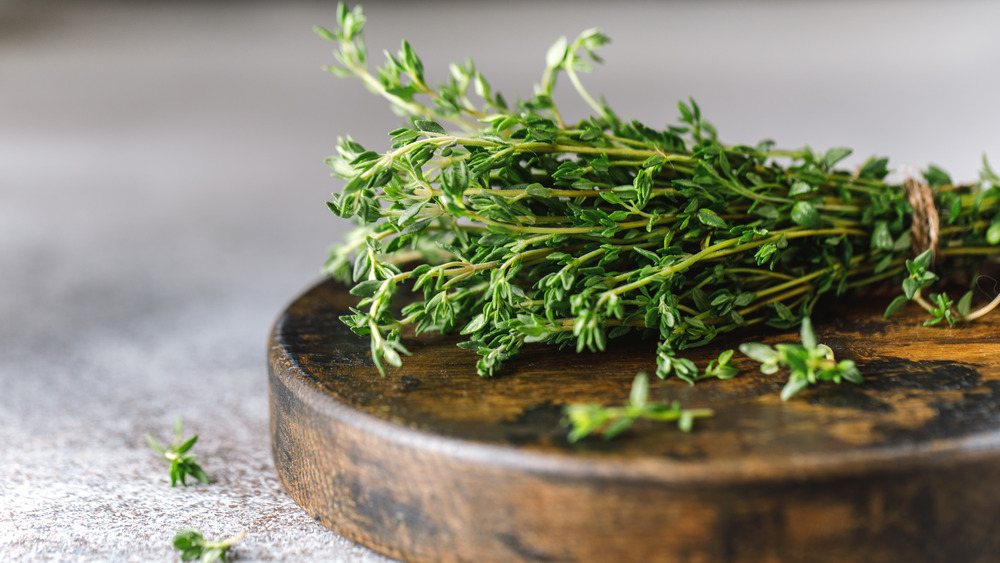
[182, 463]
[193, 545]
[517, 226]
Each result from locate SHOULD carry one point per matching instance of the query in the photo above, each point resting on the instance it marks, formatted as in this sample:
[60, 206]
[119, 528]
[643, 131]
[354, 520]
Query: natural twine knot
[925, 224]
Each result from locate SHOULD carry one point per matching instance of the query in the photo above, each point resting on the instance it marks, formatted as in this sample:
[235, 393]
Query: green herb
[515, 226]
[585, 419]
[193, 545]
[807, 363]
[182, 463]
[941, 307]
[718, 368]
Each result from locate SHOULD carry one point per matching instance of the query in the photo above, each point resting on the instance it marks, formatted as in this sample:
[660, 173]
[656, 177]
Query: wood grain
[433, 463]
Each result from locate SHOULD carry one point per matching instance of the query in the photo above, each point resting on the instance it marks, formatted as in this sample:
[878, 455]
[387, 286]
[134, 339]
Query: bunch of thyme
[517, 227]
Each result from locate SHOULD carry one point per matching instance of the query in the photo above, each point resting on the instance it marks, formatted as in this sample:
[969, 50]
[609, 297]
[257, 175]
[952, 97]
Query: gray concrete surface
[161, 200]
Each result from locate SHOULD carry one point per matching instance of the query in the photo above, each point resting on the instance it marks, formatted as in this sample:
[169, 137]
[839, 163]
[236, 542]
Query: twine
[925, 223]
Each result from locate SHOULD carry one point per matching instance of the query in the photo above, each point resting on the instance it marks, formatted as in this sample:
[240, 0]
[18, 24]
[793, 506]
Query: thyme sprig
[193, 545]
[182, 462]
[587, 418]
[808, 362]
[516, 227]
[940, 306]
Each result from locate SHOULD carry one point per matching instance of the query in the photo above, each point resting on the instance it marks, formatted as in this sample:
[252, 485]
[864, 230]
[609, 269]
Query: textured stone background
[162, 188]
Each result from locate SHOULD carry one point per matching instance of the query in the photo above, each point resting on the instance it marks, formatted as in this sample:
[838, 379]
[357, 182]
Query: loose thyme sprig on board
[808, 363]
[519, 227]
[587, 418]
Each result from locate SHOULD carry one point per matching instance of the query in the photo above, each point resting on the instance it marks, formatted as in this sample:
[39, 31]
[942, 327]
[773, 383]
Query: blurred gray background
[161, 200]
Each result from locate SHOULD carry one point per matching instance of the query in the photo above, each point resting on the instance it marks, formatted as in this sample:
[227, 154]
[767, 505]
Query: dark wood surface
[433, 463]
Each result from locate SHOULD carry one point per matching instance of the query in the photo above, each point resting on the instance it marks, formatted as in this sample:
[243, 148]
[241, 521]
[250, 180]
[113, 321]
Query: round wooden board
[433, 463]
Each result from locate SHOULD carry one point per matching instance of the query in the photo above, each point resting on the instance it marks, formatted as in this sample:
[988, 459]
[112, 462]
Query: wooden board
[433, 463]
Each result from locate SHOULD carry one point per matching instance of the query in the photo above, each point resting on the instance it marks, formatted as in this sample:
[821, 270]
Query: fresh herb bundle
[518, 227]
